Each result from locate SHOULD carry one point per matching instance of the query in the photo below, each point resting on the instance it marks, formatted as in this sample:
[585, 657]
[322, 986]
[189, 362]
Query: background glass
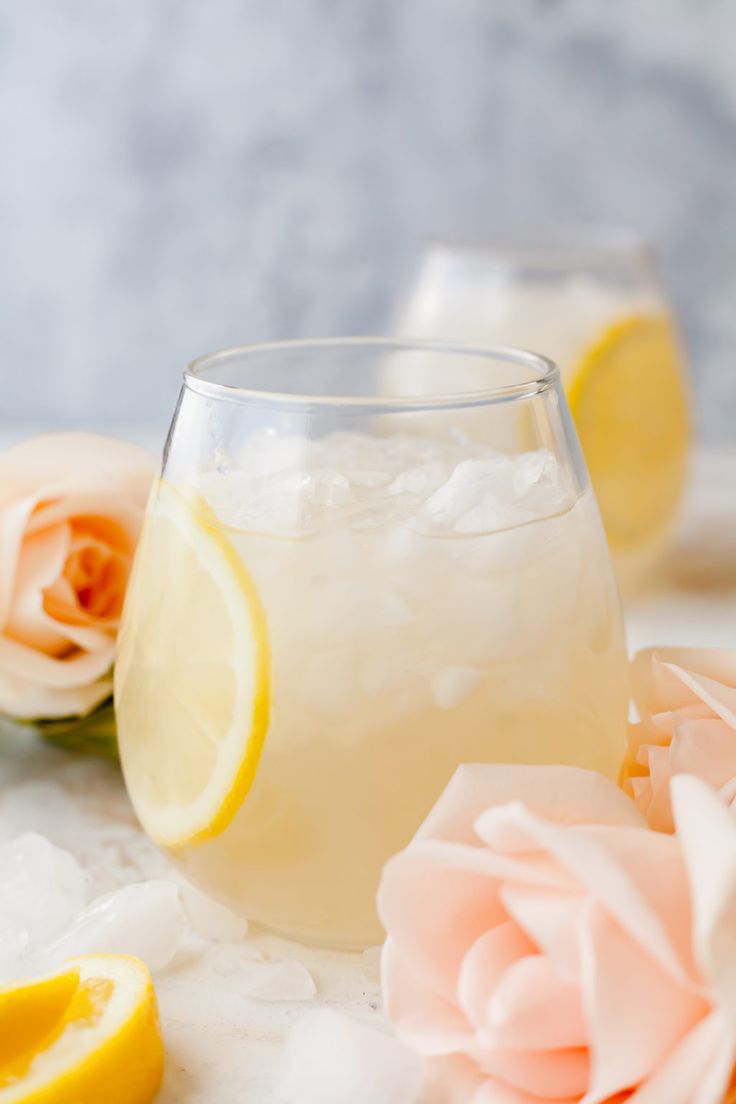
[418, 525]
[593, 302]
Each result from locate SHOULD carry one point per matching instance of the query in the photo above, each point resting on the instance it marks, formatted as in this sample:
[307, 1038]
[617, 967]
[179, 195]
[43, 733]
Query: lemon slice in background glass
[629, 400]
[86, 1035]
[191, 676]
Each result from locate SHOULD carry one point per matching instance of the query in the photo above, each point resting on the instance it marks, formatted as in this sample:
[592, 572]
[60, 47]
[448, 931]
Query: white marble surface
[224, 1047]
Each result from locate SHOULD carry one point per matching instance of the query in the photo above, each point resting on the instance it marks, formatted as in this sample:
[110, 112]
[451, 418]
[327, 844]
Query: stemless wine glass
[343, 592]
[592, 300]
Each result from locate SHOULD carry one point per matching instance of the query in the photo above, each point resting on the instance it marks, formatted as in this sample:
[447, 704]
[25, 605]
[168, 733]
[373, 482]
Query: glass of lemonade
[366, 562]
[593, 302]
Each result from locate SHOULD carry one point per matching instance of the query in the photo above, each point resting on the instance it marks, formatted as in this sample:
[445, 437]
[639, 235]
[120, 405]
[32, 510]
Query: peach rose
[553, 949]
[71, 507]
[686, 701]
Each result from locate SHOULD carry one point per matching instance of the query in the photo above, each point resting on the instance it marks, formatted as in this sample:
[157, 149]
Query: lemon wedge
[629, 401]
[87, 1035]
[29, 1012]
[191, 675]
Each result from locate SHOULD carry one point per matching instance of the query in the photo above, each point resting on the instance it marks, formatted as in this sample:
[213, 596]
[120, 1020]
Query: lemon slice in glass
[87, 1035]
[629, 401]
[191, 675]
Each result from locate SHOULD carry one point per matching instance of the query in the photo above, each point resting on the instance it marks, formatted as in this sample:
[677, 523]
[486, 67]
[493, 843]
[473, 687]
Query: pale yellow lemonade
[416, 604]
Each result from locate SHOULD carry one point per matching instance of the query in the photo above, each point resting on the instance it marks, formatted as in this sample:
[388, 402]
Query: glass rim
[554, 244]
[544, 375]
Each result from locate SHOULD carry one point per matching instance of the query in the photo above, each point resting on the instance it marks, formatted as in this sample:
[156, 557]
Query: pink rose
[71, 508]
[686, 701]
[554, 950]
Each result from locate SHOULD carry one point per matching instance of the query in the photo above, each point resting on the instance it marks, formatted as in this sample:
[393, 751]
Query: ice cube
[211, 920]
[142, 919]
[532, 469]
[422, 480]
[42, 889]
[470, 482]
[452, 685]
[331, 1059]
[277, 981]
[266, 451]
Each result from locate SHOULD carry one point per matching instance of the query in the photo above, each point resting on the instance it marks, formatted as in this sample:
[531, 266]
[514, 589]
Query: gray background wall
[178, 175]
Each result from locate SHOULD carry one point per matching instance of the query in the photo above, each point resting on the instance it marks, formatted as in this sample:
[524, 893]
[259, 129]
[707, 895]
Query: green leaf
[94, 734]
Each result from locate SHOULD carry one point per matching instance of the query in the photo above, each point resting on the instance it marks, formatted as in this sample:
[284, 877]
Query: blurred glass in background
[593, 303]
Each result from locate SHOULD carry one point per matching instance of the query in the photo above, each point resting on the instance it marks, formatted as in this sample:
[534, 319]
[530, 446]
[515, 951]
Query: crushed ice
[298, 486]
[48, 914]
[142, 919]
[332, 1059]
[42, 889]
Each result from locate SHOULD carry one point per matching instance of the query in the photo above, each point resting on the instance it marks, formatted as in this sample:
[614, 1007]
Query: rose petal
[718, 697]
[618, 976]
[96, 475]
[697, 1072]
[451, 1080]
[421, 1017]
[95, 488]
[435, 900]
[77, 670]
[493, 1092]
[657, 688]
[485, 964]
[60, 464]
[42, 561]
[550, 919]
[642, 792]
[553, 1075]
[707, 833]
[110, 517]
[563, 794]
[658, 810]
[29, 701]
[91, 589]
[628, 870]
[13, 522]
[533, 1007]
[706, 749]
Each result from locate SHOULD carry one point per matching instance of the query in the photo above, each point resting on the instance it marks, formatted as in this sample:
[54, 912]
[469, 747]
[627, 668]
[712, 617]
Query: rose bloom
[553, 948]
[686, 701]
[71, 509]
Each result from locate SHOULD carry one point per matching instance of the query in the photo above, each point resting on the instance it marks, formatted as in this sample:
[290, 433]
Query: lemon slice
[629, 402]
[95, 1036]
[191, 675]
